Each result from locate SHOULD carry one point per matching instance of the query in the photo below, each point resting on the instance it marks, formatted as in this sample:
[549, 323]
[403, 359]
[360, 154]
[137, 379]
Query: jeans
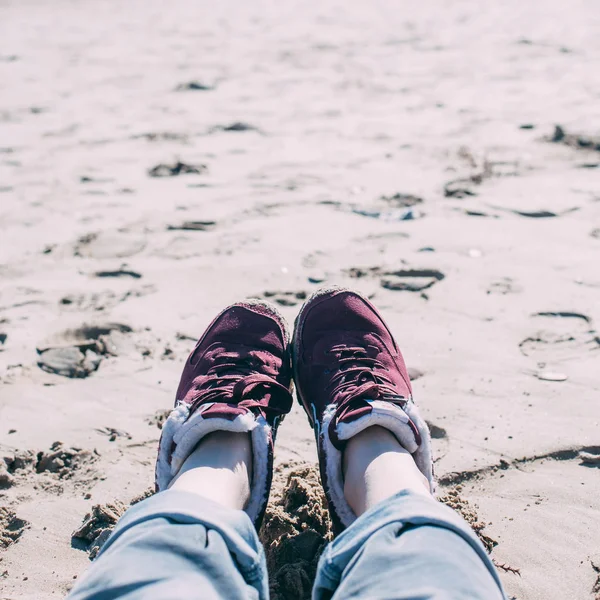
[177, 545]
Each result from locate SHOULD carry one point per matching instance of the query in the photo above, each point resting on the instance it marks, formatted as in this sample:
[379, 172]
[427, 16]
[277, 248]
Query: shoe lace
[360, 377]
[242, 379]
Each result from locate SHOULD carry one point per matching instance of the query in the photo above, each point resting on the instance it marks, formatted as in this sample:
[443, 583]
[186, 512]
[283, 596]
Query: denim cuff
[234, 526]
[406, 509]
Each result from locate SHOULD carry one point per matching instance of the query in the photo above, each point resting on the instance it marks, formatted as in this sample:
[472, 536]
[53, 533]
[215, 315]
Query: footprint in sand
[504, 286]
[11, 527]
[69, 362]
[285, 298]
[77, 353]
[402, 280]
[474, 169]
[113, 434]
[102, 300]
[396, 207]
[561, 336]
[116, 244]
[183, 247]
[411, 280]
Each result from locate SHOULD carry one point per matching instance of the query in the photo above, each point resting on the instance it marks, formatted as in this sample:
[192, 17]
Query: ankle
[219, 468]
[375, 467]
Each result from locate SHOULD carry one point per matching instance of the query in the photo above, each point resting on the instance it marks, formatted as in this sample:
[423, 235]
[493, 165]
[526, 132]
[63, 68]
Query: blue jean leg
[177, 545]
[408, 547]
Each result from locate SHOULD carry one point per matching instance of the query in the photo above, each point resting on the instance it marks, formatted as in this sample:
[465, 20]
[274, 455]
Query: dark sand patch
[175, 169]
[436, 432]
[596, 588]
[122, 272]
[237, 126]
[285, 298]
[194, 86]
[538, 214]
[193, 226]
[579, 141]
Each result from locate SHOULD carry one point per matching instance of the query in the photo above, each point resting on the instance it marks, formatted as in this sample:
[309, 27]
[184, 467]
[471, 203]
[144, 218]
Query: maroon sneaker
[238, 378]
[350, 375]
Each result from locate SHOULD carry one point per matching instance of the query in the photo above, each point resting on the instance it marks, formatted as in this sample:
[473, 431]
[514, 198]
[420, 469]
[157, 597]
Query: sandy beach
[159, 161]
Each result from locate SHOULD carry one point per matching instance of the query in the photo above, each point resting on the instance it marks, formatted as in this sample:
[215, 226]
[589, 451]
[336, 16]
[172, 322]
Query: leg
[376, 464]
[376, 467]
[190, 541]
[220, 469]
[197, 537]
[404, 544]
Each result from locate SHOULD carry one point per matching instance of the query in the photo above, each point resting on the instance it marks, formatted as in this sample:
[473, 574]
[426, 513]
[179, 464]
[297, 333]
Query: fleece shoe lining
[186, 434]
[385, 415]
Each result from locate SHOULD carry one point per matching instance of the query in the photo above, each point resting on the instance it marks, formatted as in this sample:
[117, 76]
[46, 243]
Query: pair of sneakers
[349, 375]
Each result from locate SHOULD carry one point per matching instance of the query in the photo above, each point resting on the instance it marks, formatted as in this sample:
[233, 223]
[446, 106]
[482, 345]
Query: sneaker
[237, 378]
[350, 375]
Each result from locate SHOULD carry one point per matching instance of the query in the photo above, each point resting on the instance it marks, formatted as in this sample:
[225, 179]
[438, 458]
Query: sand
[159, 162]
